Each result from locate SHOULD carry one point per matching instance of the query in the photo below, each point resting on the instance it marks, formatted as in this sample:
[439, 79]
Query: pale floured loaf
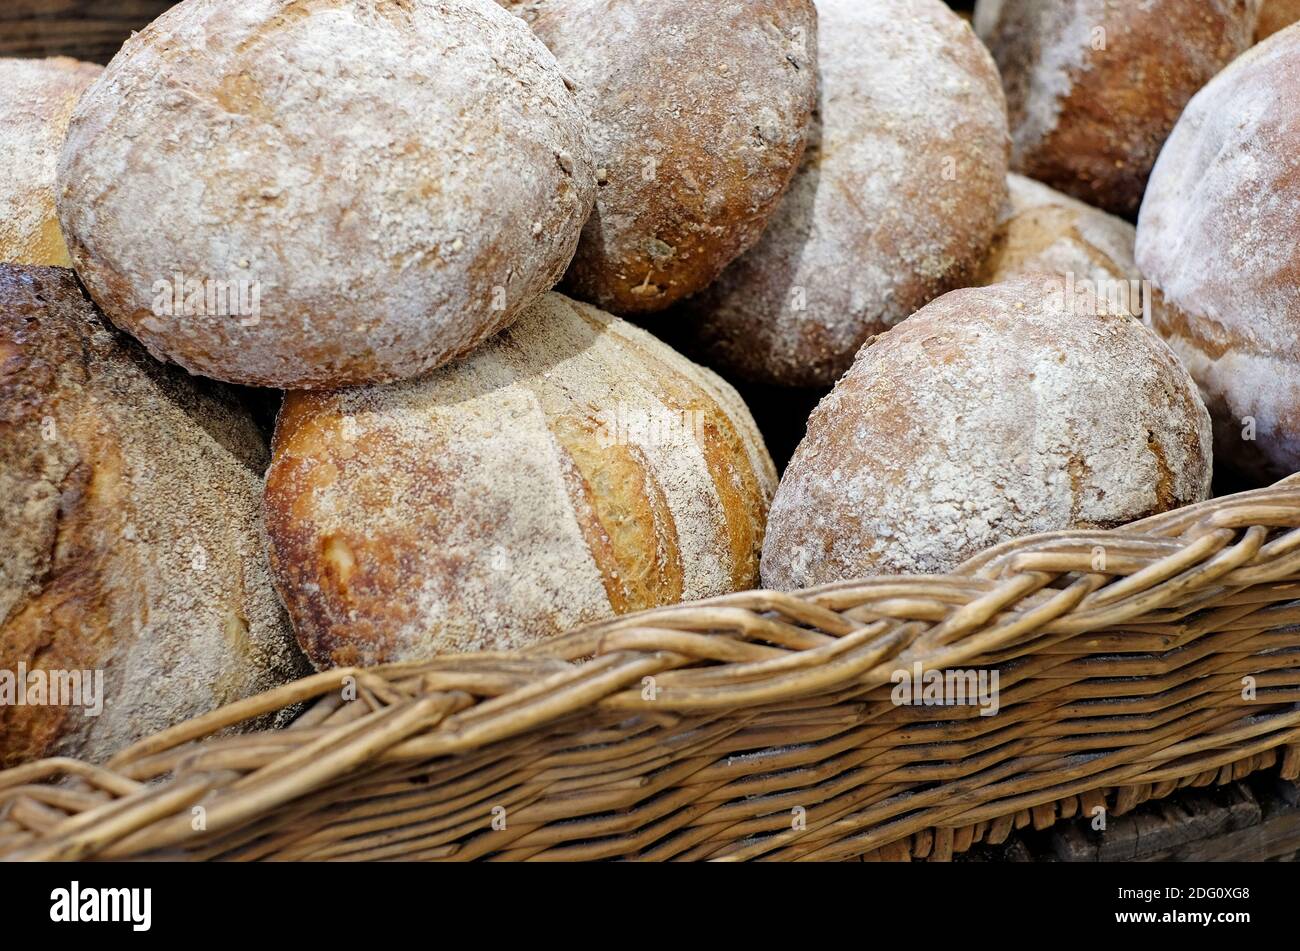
[699, 115]
[1043, 230]
[132, 542]
[571, 469]
[395, 180]
[992, 413]
[1095, 86]
[1219, 240]
[900, 190]
[35, 108]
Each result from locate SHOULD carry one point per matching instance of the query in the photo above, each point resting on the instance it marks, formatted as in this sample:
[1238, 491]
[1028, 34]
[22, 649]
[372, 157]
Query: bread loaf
[133, 547]
[1276, 15]
[992, 413]
[1043, 230]
[34, 113]
[1219, 240]
[382, 185]
[571, 469]
[1094, 86]
[699, 116]
[895, 204]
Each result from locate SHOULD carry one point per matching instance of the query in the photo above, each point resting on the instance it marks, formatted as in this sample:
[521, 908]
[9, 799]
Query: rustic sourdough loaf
[1095, 86]
[132, 542]
[992, 413]
[397, 180]
[699, 116]
[34, 114]
[895, 204]
[1219, 240]
[1043, 230]
[571, 469]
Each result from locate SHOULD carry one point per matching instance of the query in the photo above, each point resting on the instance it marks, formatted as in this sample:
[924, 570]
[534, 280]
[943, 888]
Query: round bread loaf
[571, 469]
[699, 116]
[1094, 86]
[1043, 230]
[34, 114]
[133, 546]
[992, 413]
[1219, 240]
[382, 185]
[1276, 15]
[895, 204]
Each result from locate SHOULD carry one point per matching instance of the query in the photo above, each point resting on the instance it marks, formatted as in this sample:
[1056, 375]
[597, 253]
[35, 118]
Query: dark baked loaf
[699, 115]
[132, 541]
[1095, 86]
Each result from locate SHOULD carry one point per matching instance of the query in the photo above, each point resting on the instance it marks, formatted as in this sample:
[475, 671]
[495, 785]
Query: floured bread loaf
[132, 540]
[571, 469]
[1219, 240]
[34, 111]
[1043, 230]
[699, 119]
[1276, 15]
[992, 413]
[895, 204]
[1095, 86]
[382, 185]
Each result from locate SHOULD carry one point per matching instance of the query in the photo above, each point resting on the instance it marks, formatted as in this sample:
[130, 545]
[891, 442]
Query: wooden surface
[86, 29]
[1257, 820]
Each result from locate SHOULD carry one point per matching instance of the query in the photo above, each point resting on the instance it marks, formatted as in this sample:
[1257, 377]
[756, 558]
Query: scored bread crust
[513, 495]
[1043, 230]
[39, 95]
[1094, 87]
[993, 413]
[397, 179]
[900, 189]
[129, 495]
[699, 116]
[1218, 237]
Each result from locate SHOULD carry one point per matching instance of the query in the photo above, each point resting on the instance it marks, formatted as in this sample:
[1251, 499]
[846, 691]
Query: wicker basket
[755, 726]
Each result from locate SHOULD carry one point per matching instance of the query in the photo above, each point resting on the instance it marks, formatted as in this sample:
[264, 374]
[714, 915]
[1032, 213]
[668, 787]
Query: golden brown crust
[1094, 87]
[39, 95]
[1276, 15]
[571, 469]
[699, 117]
[132, 544]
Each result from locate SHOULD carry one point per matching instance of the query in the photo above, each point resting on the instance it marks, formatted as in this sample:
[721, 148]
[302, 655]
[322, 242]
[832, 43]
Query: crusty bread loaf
[396, 180]
[1219, 240]
[571, 469]
[992, 413]
[895, 204]
[34, 112]
[1094, 86]
[1276, 15]
[1043, 230]
[132, 539]
[699, 119]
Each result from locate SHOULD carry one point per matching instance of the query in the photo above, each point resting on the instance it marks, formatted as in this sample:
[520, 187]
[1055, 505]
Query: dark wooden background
[87, 29]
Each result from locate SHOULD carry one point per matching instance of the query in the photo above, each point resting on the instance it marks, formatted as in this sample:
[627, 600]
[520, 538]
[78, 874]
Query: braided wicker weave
[760, 725]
